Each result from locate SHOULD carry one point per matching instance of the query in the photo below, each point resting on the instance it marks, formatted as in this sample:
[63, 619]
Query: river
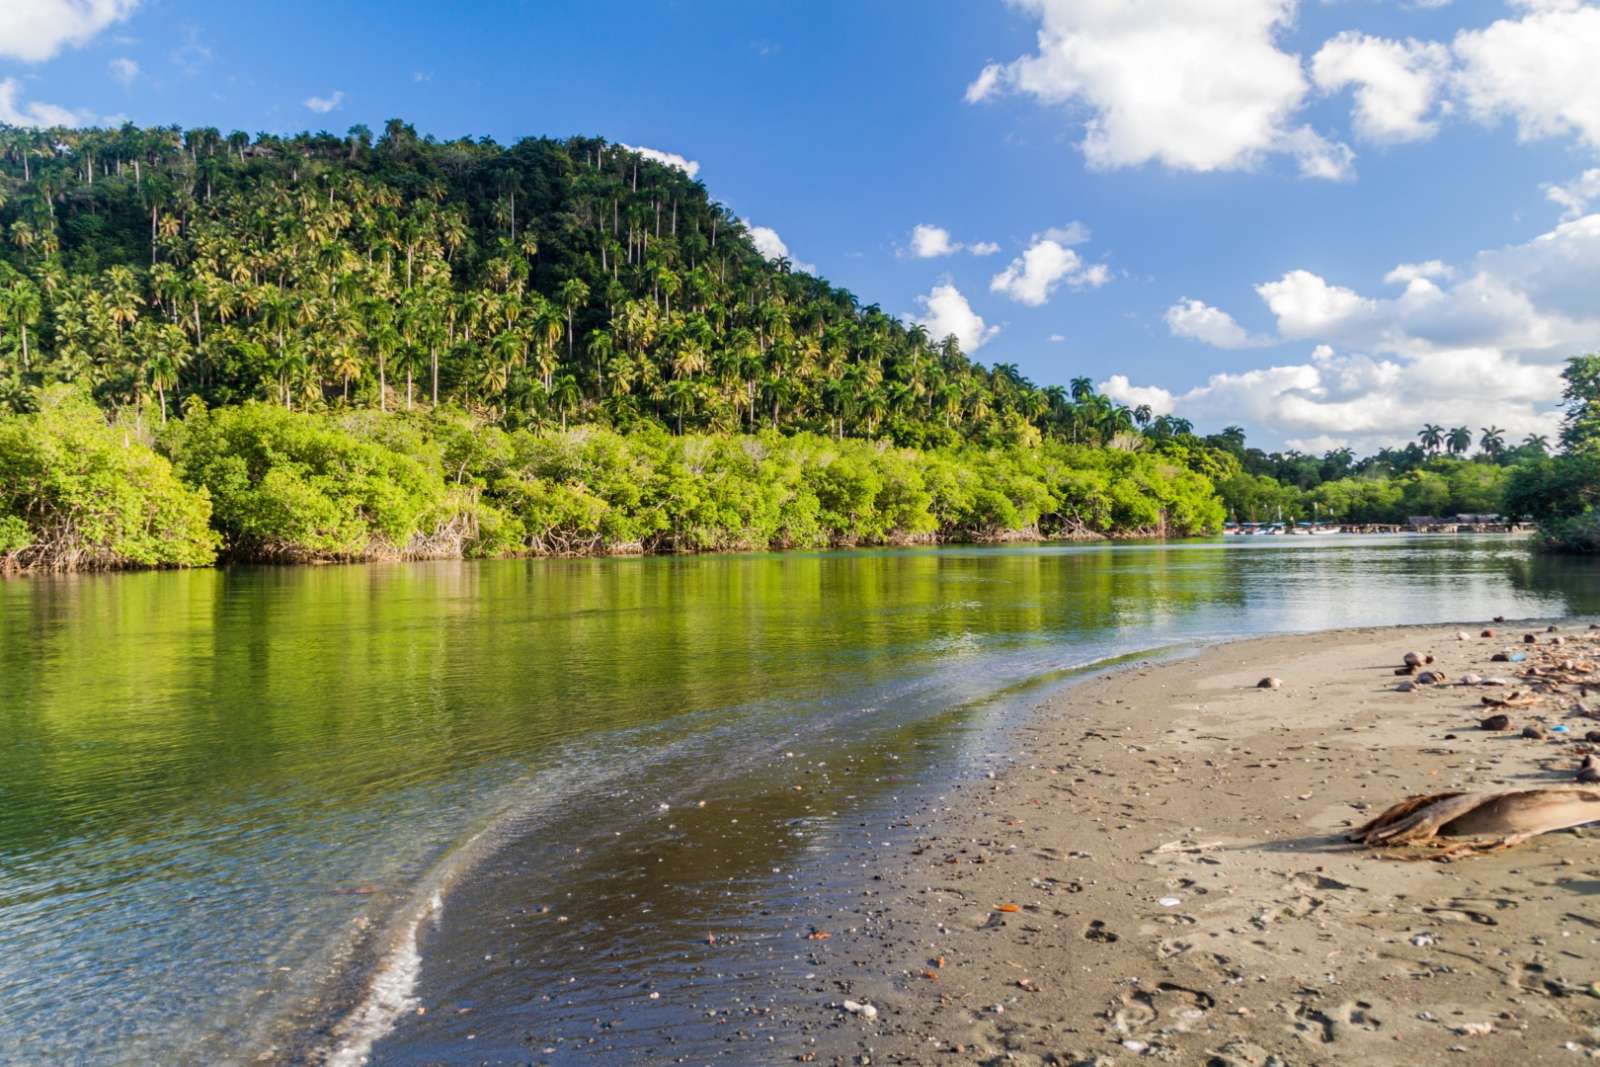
[525, 796]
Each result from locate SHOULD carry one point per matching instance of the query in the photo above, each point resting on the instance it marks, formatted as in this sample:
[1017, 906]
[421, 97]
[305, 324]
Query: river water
[272, 813]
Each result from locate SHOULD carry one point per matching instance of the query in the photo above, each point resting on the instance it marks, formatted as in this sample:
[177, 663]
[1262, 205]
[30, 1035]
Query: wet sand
[1160, 874]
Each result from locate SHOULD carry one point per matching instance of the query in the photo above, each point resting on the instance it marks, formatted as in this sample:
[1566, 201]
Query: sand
[1161, 875]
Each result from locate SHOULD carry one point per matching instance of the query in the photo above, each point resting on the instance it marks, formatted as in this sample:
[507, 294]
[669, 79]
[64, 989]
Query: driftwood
[1492, 820]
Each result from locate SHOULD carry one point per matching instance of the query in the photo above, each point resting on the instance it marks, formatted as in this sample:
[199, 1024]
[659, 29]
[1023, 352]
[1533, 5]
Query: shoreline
[1159, 873]
[1009, 539]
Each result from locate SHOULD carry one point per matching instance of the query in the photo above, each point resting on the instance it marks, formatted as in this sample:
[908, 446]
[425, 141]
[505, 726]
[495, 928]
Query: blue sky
[1207, 205]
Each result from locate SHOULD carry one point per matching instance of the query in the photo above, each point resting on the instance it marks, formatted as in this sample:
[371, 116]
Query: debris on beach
[1589, 770]
[1492, 819]
[1270, 683]
[866, 1011]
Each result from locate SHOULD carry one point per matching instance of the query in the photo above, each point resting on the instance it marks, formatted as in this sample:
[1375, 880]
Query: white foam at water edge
[393, 994]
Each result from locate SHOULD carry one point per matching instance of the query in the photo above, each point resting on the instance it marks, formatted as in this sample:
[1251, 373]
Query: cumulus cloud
[123, 70]
[929, 241]
[1207, 87]
[690, 167]
[1539, 70]
[1396, 82]
[1332, 399]
[1200, 321]
[1576, 195]
[35, 30]
[772, 247]
[1408, 273]
[324, 104]
[1200, 87]
[1305, 304]
[1045, 264]
[15, 112]
[945, 311]
[1469, 345]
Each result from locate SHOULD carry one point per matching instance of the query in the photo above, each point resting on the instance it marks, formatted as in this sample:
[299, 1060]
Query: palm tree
[1458, 440]
[1431, 436]
[1537, 442]
[573, 293]
[20, 306]
[565, 396]
[1493, 440]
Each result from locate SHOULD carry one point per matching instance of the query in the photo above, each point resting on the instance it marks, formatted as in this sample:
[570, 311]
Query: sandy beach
[1161, 874]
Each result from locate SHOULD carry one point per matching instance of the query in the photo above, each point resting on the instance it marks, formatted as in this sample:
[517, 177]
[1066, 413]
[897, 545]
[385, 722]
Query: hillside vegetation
[351, 348]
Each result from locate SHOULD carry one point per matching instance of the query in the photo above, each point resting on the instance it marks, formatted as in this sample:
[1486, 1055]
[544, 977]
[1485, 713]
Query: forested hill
[540, 284]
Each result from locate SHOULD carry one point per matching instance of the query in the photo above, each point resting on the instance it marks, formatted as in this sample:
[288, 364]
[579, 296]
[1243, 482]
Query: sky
[1329, 222]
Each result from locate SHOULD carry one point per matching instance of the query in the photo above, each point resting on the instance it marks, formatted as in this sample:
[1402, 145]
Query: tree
[1458, 440]
[1581, 395]
[1431, 436]
[1493, 440]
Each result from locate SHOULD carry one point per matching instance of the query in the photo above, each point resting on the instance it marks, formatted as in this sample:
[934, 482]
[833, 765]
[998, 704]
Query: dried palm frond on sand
[1495, 819]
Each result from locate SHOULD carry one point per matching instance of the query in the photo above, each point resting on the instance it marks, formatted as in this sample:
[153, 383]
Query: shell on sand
[1508, 815]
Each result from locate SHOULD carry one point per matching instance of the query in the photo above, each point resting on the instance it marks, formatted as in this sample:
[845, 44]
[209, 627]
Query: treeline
[1430, 476]
[1562, 493]
[259, 482]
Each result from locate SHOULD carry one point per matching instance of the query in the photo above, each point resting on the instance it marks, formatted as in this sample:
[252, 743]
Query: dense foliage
[297, 486]
[77, 492]
[1562, 493]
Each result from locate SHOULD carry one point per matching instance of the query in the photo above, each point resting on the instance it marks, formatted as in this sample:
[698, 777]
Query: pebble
[1270, 683]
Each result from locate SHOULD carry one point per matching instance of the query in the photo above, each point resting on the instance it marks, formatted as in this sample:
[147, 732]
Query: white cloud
[14, 112]
[1057, 338]
[1317, 156]
[35, 30]
[123, 70]
[1576, 195]
[1199, 87]
[1473, 346]
[1539, 70]
[1120, 389]
[945, 311]
[1305, 304]
[324, 104]
[930, 241]
[1365, 402]
[690, 167]
[1406, 273]
[1397, 82]
[1047, 262]
[986, 84]
[772, 247]
[1200, 321]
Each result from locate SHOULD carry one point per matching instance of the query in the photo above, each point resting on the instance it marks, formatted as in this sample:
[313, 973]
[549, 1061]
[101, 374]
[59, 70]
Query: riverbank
[1161, 874]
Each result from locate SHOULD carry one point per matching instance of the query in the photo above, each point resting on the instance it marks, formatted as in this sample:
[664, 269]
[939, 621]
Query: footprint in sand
[1168, 1006]
[1097, 931]
[1353, 1017]
[1469, 910]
